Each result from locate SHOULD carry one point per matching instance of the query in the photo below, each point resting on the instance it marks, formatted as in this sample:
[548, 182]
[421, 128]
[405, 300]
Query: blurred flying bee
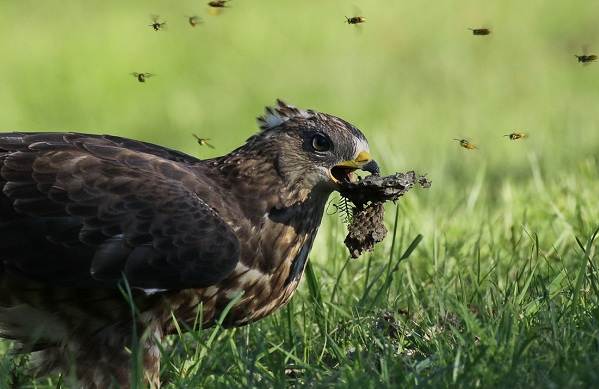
[203, 141]
[215, 7]
[480, 31]
[194, 20]
[517, 135]
[142, 77]
[157, 25]
[465, 143]
[355, 19]
[586, 59]
[218, 3]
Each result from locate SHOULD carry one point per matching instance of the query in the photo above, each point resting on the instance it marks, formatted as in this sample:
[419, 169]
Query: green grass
[490, 278]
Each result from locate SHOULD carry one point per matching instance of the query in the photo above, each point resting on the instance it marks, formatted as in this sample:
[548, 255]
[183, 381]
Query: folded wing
[83, 210]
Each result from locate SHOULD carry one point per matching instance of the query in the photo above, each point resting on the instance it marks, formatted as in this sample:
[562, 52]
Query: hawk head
[319, 150]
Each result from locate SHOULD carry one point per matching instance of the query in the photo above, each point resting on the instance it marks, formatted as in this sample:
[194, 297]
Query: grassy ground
[487, 279]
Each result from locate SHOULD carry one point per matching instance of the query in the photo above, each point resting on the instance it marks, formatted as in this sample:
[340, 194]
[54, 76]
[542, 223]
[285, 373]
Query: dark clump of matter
[366, 228]
[368, 195]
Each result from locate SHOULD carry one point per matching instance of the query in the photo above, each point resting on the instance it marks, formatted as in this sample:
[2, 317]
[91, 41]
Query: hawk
[92, 224]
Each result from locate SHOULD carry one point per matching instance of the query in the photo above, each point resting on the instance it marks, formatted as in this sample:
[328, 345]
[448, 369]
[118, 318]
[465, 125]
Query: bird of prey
[87, 220]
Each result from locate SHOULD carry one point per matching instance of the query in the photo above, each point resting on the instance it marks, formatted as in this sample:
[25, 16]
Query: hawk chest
[272, 260]
[258, 290]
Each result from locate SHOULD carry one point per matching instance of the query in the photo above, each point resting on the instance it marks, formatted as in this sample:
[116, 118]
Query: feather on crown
[282, 112]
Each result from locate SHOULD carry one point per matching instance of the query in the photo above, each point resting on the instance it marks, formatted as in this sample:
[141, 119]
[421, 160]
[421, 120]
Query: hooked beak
[343, 172]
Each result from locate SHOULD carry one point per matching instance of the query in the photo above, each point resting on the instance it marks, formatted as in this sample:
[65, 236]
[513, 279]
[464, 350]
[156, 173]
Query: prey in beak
[344, 171]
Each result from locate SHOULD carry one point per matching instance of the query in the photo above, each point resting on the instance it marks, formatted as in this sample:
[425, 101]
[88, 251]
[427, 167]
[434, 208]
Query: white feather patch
[272, 119]
[361, 145]
[151, 291]
[275, 116]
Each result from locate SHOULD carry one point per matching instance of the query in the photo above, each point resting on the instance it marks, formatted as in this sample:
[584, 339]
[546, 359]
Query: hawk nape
[80, 213]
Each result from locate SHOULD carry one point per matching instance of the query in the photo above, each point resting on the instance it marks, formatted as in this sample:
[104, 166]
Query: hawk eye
[321, 143]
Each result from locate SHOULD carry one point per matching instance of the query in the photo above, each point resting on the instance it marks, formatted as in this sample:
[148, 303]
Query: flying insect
[355, 20]
[194, 20]
[465, 143]
[142, 77]
[157, 25]
[480, 31]
[202, 141]
[517, 135]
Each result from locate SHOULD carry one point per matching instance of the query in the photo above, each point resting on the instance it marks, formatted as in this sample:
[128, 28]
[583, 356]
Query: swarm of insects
[142, 77]
[157, 25]
[194, 20]
[586, 59]
[480, 31]
[218, 3]
[517, 135]
[202, 141]
[367, 196]
[465, 143]
[355, 20]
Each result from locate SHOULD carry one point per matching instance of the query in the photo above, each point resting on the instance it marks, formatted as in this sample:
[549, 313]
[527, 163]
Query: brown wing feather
[92, 208]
